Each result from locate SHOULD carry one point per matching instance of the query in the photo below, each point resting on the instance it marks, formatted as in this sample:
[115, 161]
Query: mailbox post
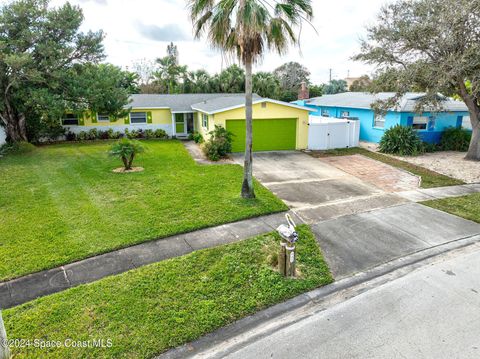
[287, 256]
[4, 350]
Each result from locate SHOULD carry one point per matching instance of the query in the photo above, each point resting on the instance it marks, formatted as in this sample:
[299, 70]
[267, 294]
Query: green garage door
[268, 134]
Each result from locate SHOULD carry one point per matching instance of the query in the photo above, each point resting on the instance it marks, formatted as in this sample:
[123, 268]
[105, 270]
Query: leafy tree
[196, 82]
[169, 74]
[291, 75]
[361, 84]
[316, 91]
[266, 84]
[144, 69]
[335, 86]
[431, 44]
[42, 54]
[126, 150]
[232, 80]
[245, 29]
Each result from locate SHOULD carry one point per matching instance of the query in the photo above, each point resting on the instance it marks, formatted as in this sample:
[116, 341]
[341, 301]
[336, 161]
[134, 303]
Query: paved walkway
[425, 194]
[24, 289]
[386, 177]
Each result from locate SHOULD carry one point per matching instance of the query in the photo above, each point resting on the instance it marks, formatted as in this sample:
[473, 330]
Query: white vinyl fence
[3, 136]
[327, 133]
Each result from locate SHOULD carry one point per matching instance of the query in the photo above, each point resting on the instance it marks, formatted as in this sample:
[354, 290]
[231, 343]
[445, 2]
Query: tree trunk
[125, 162]
[4, 350]
[130, 161]
[474, 148]
[247, 185]
[15, 127]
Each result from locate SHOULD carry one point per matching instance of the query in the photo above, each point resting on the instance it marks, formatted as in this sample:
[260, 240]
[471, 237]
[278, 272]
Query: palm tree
[266, 84]
[246, 28]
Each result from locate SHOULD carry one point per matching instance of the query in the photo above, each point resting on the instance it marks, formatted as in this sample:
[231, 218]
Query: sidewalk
[425, 194]
[29, 287]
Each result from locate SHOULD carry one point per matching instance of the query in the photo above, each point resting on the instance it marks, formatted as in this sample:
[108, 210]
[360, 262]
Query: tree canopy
[432, 45]
[47, 66]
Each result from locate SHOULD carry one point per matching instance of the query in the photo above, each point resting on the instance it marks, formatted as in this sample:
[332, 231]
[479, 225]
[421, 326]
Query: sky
[142, 29]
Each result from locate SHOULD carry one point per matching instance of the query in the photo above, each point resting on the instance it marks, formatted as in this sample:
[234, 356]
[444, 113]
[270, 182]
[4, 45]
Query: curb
[235, 335]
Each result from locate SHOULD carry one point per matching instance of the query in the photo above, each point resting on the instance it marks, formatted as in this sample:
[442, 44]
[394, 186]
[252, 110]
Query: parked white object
[326, 133]
[3, 136]
[4, 350]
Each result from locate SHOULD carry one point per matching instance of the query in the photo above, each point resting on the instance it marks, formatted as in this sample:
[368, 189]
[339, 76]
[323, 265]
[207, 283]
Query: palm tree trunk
[247, 185]
[4, 351]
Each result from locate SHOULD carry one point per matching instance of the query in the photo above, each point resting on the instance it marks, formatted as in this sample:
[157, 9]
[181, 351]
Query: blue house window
[466, 123]
[344, 114]
[325, 113]
[420, 122]
[379, 121]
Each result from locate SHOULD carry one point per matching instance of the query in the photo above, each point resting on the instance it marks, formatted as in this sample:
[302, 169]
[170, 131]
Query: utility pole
[4, 350]
[330, 75]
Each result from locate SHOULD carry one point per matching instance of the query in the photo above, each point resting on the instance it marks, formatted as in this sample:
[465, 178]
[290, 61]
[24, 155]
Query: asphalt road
[433, 312]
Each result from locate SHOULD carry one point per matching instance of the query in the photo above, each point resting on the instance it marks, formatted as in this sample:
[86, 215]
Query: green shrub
[159, 133]
[401, 140]
[126, 150]
[429, 147]
[16, 148]
[93, 134]
[70, 136]
[219, 144]
[455, 139]
[148, 133]
[196, 136]
[82, 136]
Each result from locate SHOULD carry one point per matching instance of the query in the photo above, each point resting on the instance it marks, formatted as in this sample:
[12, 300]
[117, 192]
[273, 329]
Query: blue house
[357, 105]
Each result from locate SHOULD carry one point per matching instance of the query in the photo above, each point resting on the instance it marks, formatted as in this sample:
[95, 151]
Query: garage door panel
[268, 134]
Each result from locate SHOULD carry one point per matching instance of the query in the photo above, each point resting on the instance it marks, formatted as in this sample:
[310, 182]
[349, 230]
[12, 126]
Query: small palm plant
[126, 150]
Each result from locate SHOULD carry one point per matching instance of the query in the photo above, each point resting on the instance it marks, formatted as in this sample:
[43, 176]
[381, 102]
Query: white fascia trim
[149, 108]
[191, 111]
[254, 103]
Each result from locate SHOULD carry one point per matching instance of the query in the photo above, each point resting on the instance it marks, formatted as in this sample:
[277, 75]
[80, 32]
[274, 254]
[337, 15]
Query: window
[204, 120]
[420, 122]
[325, 113]
[138, 117]
[70, 119]
[466, 122]
[379, 121]
[344, 114]
[101, 117]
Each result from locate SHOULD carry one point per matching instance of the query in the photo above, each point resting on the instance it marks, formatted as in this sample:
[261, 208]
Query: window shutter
[112, 118]
[459, 121]
[81, 120]
[410, 121]
[127, 120]
[149, 117]
[93, 116]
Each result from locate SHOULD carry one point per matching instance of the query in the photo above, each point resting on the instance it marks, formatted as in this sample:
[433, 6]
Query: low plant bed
[430, 178]
[149, 310]
[465, 206]
[62, 203]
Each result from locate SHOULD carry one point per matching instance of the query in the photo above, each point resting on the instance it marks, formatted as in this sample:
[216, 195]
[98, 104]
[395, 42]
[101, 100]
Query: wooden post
[4, 350]
[290, 254]
[282, 259]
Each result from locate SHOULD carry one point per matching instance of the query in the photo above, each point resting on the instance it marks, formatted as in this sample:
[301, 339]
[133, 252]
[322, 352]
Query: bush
[429, 147]
[126, 150]
[70, 136]
[159, 133]
[401, 140]
[93, 134]
[82, 136]
[219, 144]
[455, 139]
[197, 137]
[148, 133]
[16, 148]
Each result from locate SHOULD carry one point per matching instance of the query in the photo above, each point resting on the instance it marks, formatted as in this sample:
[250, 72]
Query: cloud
[101, 2]
[170, 32]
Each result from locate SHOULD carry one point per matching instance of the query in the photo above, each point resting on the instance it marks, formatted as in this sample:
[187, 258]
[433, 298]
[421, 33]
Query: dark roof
[364, 100]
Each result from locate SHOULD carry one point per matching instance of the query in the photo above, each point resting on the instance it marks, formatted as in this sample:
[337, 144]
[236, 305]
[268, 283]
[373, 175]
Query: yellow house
[277, 125]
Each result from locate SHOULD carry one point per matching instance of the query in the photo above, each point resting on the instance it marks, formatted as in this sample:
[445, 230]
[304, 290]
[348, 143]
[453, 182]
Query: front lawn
[149, 310]
[466, 206]
[62, 203]
[430, 178]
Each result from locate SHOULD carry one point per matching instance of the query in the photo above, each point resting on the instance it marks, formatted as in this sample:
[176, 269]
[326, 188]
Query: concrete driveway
[358, 225]
[314, 189]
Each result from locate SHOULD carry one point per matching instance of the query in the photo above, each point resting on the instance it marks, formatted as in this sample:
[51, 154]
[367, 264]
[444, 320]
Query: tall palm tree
[246, 28]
